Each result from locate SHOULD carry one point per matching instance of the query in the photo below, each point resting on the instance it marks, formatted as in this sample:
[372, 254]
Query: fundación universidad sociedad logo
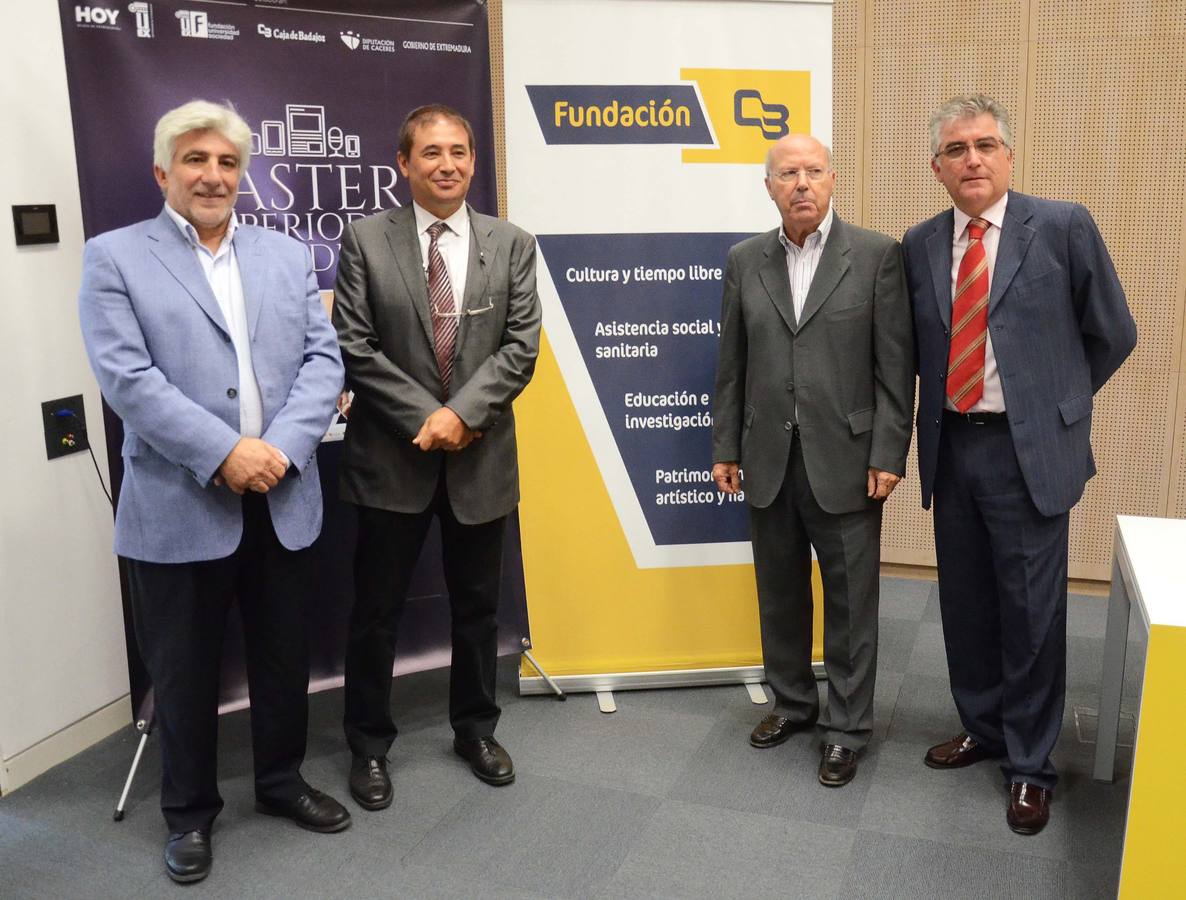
[747, 109]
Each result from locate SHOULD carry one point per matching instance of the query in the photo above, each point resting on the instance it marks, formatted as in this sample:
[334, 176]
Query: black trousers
[179, 611]
[389, 544]
[1003, 597]
[848, 548]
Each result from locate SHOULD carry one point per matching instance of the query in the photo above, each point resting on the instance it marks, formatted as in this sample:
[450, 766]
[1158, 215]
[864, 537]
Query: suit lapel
[1015, 240]
[253, 273]
[939, 254]
[773, 273]
[833, 263]
[405, 249]
[177, 256]
[477, 272]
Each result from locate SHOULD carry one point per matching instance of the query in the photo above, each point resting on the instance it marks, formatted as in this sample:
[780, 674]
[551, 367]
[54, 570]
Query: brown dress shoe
[837, 766]
[1029, 807]
[772, 731]
[960, 751]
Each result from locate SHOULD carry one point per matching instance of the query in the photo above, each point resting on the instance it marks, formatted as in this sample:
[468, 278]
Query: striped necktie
[440, 300]
[969, 323]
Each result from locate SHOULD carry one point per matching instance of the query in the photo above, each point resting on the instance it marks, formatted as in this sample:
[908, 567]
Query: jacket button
[790, 385]
[788, 425]
[232, 393]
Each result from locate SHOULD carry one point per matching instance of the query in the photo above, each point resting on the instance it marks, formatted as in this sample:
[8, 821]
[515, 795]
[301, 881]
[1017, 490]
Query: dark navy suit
[1002, 492]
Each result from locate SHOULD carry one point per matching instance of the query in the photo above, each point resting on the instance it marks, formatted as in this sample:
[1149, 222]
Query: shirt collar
[994, 215]
[457, 222]
[191, 234]
[825, 227]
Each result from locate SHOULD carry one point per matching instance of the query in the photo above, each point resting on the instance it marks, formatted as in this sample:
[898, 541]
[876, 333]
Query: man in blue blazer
[1019, 319]
[210, 342]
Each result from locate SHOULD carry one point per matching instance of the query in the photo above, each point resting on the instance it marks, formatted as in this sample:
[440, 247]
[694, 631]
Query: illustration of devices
[306, 130]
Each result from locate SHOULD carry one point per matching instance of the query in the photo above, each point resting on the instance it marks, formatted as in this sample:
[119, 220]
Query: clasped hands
[880, 484]
[253, 465]
[444, 430]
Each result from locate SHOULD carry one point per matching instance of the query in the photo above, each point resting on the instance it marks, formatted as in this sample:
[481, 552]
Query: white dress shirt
[453, 244]
[803, 261]
[222, 274]
[993, 398]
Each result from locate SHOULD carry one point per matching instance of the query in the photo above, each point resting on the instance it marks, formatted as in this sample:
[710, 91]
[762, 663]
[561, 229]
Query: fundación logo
[746, 108]
[196, 24]
[143, 14]
[96, 17]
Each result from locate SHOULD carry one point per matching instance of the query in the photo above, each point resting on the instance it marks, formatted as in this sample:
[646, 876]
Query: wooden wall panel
[1105, 116]
[1097, 92]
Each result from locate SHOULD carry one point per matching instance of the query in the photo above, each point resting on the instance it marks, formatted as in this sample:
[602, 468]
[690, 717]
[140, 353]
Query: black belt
[977, 418]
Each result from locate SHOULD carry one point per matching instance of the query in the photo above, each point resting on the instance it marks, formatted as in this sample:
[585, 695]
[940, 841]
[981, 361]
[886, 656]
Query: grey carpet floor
[664, 798]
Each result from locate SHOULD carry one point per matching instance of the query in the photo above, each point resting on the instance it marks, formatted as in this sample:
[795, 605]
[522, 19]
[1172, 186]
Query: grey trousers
[848, 547]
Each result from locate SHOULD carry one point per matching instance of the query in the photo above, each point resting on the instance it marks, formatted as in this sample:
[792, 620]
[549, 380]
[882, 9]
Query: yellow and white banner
[635, 151]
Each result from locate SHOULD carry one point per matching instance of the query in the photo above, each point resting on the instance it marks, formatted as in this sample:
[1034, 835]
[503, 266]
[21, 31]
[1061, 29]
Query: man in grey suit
[210, 342]
[438, 321]
[1020, 319]
[814, 392]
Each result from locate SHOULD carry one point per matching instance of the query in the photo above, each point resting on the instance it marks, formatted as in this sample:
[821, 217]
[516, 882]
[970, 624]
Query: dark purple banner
[324, 87]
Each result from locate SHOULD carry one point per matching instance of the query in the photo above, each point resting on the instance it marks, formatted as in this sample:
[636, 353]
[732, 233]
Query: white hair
[969, 107]
[827, 152]
[200, 115]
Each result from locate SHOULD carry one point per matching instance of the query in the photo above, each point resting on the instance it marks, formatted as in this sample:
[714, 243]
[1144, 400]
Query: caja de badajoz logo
[718, 115]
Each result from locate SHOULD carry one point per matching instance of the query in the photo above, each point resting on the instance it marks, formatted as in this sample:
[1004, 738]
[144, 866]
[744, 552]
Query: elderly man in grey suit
[438, 321]
[210, 342]
[814, 392]
[1020, 319]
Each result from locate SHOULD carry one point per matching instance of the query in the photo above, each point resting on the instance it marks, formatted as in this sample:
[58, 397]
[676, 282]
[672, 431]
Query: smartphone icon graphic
[272, 137]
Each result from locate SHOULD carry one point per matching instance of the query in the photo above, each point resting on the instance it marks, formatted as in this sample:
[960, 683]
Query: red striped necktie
[440, 299]
[969, 323]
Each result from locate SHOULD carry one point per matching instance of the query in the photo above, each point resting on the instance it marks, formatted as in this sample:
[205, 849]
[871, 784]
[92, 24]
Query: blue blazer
[1060, 327]
[160, 349]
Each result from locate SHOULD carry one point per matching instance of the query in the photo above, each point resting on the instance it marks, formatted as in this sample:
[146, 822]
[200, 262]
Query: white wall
[63, 670]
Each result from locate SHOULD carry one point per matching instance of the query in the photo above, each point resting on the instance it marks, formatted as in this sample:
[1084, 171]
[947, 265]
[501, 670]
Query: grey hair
[969, 107]
[827, 152]
[200, 115]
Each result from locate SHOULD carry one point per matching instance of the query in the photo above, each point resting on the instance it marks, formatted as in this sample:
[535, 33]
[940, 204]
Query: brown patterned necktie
[969, 323]
[440, 300]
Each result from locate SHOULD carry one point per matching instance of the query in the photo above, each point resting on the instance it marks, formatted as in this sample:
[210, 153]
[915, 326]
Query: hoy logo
[96, 15]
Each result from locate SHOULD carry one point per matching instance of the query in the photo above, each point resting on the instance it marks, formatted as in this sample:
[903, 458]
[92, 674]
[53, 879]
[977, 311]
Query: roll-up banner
[636, 156]
[324, 86]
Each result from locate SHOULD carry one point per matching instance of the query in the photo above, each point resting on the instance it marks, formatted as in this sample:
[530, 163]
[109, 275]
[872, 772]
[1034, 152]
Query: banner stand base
[555, 688]
[641, 681]
[144, 726]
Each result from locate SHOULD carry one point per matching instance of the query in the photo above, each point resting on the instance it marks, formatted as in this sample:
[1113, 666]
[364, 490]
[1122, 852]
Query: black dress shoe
[188, 856]
[773, 730]
[1029, 807]
[837, 765]
[487, 758]
[312, 810]
[960, 751]
[370, 785]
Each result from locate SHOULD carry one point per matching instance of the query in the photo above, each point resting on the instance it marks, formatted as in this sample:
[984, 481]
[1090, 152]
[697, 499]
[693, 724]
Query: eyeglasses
[984, 147]
[786, 176]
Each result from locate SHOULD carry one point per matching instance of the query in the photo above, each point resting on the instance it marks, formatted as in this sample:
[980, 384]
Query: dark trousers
[1003, 597]
[389, 544]
[849, 552]
[179, 611]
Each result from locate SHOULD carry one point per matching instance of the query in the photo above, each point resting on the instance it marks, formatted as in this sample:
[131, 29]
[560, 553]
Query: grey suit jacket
[381, 312]
[1060, 327]
[846, 367]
